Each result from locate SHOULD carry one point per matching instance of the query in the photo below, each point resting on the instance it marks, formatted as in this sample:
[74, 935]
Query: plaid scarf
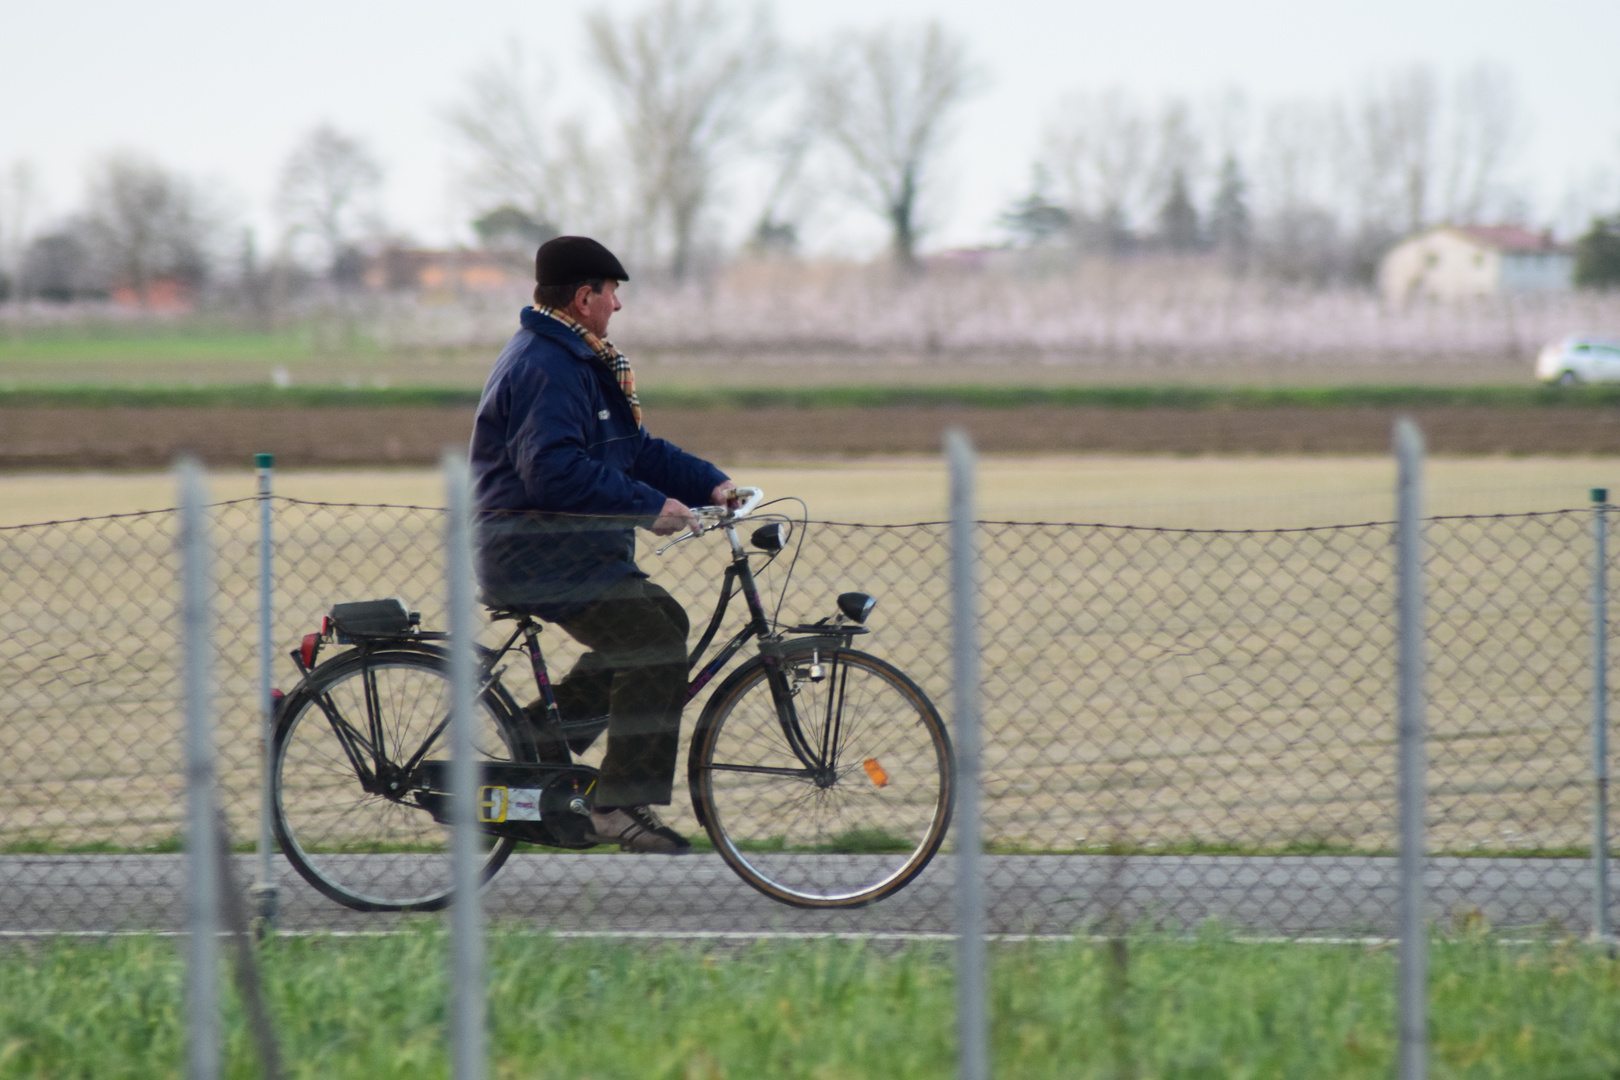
[615, 360]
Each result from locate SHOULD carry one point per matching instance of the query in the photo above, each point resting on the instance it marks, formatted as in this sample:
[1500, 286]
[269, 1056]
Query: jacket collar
[547, 327]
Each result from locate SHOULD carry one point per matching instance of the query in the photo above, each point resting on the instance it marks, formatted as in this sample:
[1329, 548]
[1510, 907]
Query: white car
[1580, 359]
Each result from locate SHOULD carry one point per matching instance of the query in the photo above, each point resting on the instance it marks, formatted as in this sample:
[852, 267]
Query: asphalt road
[1045, 894]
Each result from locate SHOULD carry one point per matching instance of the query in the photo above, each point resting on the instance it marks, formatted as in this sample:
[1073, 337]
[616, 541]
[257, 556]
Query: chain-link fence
[1178, 725]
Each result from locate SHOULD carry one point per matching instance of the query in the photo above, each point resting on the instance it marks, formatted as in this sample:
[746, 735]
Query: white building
[1455, 262]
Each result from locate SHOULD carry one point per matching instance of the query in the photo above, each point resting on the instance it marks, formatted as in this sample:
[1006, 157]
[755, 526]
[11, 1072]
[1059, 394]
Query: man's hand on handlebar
[674, 517]
[726, 497]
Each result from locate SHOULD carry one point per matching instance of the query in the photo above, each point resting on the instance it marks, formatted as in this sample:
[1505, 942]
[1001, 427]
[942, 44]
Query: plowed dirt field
[57, 438]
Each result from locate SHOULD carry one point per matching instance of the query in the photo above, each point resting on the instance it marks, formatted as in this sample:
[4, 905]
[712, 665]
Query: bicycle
[821, 774]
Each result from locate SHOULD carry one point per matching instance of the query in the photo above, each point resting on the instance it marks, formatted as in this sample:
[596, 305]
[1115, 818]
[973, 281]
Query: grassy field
[1187, 691]
[1205, 1007]
[201, 353]
[1201, 492]
[858, 395]
[137, 346]
[335, 352]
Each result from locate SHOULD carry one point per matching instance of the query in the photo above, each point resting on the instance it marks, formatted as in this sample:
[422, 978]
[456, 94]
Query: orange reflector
[875, 771]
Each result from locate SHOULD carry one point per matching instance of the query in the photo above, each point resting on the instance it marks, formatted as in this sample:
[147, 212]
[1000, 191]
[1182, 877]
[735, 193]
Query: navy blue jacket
[562, 474]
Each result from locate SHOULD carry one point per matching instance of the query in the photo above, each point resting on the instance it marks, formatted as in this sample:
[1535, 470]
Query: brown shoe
[636, 828]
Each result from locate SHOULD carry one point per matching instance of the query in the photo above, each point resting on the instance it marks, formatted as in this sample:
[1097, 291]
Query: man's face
[592, 310]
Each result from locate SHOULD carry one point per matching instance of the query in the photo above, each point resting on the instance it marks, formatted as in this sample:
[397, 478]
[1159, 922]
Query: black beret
[564, 260]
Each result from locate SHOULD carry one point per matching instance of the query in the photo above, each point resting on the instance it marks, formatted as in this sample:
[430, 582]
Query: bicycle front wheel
[346, 813]
[841, 805]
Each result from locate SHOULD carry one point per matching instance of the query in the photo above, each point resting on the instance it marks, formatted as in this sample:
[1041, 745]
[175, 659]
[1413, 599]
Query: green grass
[35, 845]
[236, 396]
[1157, 1007]
[262, 395]
[185, 342]
[1136, 397]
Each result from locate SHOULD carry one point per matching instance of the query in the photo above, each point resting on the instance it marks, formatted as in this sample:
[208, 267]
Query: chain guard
[537, 804]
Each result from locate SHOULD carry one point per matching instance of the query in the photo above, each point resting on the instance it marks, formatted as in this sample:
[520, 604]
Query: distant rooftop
[1508, 238]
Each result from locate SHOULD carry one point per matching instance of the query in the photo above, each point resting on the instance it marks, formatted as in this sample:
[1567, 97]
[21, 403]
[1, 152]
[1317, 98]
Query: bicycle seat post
[530, 628]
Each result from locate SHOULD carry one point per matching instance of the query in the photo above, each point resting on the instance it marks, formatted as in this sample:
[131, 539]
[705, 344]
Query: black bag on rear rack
[373, 619]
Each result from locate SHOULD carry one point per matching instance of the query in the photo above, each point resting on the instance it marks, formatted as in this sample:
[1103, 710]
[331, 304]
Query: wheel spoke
[766, 770]
[825, 838]
[367, 850]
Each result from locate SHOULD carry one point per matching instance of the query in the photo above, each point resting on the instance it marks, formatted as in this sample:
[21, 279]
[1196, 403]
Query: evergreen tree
[1034, 219]
[507, 226]
[773, 237]
[1230, 227]
[1113, 232]
[1178, 218]
[1597, 255]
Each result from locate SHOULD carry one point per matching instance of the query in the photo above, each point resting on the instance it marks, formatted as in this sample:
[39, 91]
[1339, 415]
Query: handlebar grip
[751, 497]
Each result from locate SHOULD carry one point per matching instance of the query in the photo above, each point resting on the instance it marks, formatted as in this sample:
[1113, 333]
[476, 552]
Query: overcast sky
[222, 89]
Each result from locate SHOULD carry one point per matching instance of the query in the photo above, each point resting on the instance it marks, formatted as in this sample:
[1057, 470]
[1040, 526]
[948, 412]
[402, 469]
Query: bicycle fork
[822, 765]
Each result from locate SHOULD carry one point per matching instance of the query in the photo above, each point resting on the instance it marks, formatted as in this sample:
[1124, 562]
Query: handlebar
[712, 517]
[751, 497]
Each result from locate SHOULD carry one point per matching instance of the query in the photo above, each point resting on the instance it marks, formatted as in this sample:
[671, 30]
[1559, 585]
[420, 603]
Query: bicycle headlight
[856, 606]
[771, 537]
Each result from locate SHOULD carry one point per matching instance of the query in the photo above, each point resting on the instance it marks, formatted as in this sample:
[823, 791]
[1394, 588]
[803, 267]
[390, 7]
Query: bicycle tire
[367, 851]
[878, 814]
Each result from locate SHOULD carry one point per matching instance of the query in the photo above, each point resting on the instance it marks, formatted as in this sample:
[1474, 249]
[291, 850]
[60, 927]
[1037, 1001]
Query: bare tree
[1321, 191]
[1100, 147]
[523, 153]
[1295, 167]
[1298, 185]
[1388, 150]
[775, 231]
[1484, 130]
[328, 192]
[1179, 147]
[1227, 117]
[684, 73]
[1595, 194]
[57, 266]
[146, 222]
[886, 98]
[18, 205]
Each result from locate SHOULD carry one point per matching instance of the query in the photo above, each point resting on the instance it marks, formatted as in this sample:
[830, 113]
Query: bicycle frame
[371, 745]
[367, 754]
[739, 576]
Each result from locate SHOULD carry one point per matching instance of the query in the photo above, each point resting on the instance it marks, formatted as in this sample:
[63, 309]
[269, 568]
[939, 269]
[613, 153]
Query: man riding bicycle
[563, 473]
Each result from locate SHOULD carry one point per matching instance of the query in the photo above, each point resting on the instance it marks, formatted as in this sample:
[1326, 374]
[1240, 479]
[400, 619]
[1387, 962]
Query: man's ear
[579, 297]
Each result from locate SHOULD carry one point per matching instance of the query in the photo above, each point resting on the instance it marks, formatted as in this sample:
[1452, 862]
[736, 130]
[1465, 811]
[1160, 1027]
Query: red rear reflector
[307, 649]
[276, 695]
[326, 626]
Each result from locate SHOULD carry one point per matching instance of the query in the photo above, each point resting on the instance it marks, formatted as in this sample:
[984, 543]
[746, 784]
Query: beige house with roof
[1457, 262]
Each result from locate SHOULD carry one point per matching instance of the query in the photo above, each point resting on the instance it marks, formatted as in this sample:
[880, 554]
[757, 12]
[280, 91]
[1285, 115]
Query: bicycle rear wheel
[856, 823]
[376, 849]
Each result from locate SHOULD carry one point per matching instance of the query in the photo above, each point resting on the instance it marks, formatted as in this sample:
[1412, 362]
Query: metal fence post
[1414, 954]
[972, 1022]
[202, 836]
[1600, 714]
[466, 930]
[264, 890]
